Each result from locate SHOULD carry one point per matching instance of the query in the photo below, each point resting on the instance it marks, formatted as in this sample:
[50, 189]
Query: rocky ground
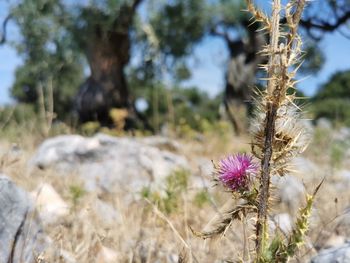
[125, 199]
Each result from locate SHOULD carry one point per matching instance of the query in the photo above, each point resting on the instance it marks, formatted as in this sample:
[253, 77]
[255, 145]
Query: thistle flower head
[235, 171]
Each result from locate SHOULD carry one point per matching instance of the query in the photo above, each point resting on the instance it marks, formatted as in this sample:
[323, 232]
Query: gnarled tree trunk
[240, 76]
[107, 52]
[106, 88]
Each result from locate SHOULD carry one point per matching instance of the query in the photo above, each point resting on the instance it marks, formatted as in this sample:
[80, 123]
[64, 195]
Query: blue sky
[208, 63]
[208, 72]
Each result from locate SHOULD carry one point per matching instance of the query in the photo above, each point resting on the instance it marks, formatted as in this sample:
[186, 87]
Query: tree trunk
[240, 77]
[107, 52]
[106, 88]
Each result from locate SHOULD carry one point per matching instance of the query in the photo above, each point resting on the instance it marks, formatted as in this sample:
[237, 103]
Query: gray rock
[309, 127]
[324, 123]
[65, 150]
[334, 241]
[341, 180]
[21, 236]
[203, 174]
[160, 142]
[343, 174]
[342, 134]
[205, 166]
[308, 172]
[339, 254]
[283, 222]
[109, 163]
[305, 168]
[290, 191]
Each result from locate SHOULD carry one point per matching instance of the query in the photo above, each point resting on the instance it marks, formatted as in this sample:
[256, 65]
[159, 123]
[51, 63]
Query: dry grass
[143, 233]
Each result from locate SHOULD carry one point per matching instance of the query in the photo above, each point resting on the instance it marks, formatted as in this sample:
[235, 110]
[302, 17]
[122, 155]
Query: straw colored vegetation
[159, 230]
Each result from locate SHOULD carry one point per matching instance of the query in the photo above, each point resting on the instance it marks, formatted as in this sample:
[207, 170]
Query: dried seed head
[291, 137]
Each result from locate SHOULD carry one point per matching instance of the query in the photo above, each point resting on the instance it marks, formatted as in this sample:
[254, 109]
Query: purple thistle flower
[234, 171]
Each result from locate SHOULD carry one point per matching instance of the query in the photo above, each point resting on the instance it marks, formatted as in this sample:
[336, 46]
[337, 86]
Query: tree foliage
[52, 62]
[175, 105]
[178, 25]
[60, 39]
[327, 16]
[333, 99]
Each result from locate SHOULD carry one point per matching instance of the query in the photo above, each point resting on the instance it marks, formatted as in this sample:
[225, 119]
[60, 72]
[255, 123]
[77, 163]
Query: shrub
[333, 99]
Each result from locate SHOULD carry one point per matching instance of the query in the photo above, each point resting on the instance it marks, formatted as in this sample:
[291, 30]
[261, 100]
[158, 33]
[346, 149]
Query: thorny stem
[269, 133]
[283, 51]
[276, 89]
[265, 178]
[274, 37]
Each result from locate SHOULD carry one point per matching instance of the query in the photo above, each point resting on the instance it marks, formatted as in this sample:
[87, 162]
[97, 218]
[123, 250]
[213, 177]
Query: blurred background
[158, 60]
[86, 82]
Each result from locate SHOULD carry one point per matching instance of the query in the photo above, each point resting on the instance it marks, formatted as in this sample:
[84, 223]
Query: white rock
[334, 241]
[108, 163]
[342, 134]
[324, 123]
[106, 255]
[290, 191]
[205, 166]
[309, 127]
[173, 258]
[160, 142]
[342, 180]
[305, 168]
[343, 174]
[339, 254]
[64, 148]
[203, 175]
[50, 205]
[283, 222]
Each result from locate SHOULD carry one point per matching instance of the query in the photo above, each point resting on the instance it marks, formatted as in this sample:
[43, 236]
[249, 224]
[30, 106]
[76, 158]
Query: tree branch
[135, 4]
[4, 25]
[126, 14]
[224, 35]
[324, 25]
